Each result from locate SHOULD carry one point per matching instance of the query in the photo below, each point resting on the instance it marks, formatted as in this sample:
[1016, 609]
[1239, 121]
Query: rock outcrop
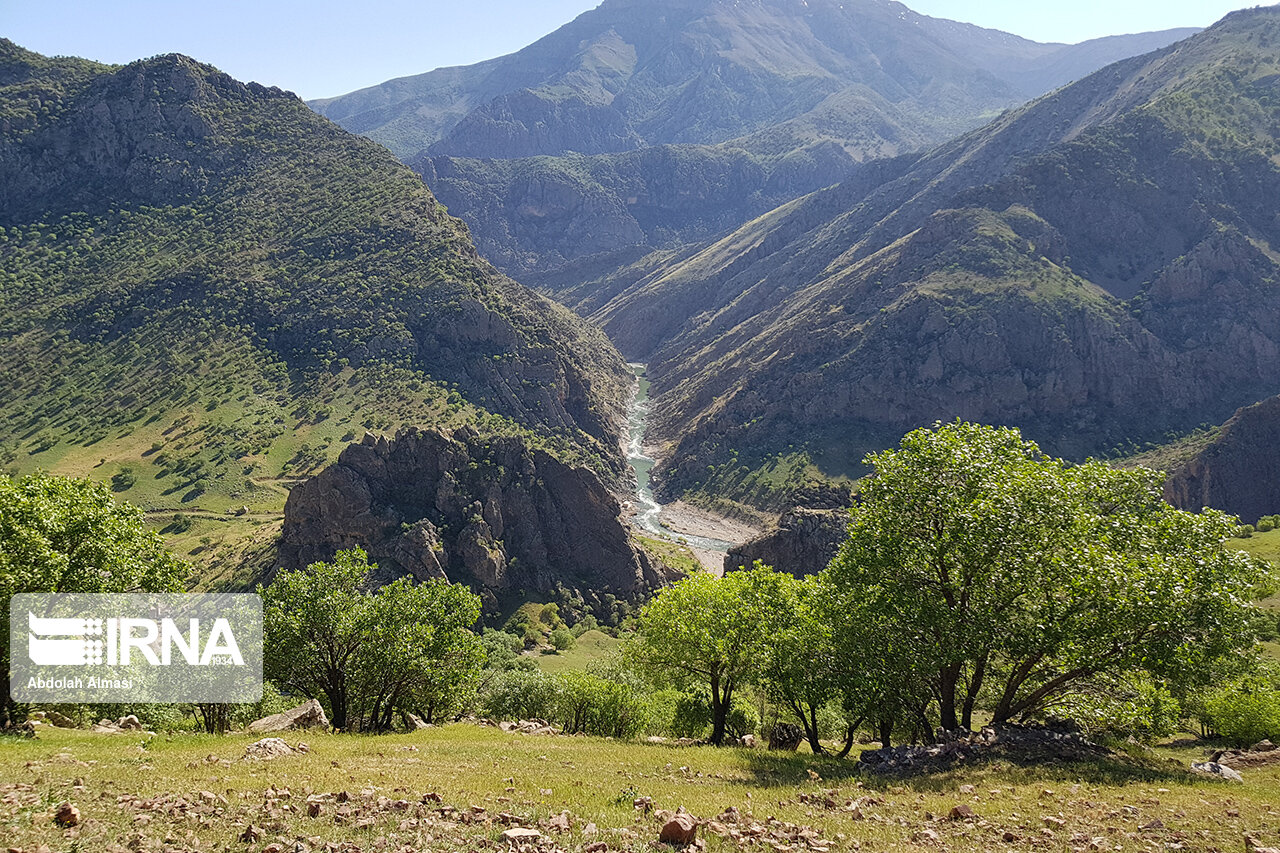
[493, 513]
[803, 543]
[308, 715]
[1239, 471]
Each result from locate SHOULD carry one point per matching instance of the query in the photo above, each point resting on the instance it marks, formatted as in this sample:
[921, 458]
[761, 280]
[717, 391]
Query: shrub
[1244, 716]
[561, 639]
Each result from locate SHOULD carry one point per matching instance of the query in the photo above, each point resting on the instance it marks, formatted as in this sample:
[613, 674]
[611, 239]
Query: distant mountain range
[773, 74]
[643, 125]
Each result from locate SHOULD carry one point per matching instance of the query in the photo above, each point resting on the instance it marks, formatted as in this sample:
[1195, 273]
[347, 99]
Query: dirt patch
[695, 521]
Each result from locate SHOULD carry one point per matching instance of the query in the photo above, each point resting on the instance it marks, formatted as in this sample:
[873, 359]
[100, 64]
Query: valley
[794, 425]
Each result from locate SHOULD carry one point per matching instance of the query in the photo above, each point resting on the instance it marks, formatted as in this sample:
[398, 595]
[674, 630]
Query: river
[648, 515]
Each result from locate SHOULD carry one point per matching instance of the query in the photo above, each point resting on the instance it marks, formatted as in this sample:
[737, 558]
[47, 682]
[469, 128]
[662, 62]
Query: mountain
[1235, 467]
[208, 290]
[650, 125]
[636, 73]
[1098, 267]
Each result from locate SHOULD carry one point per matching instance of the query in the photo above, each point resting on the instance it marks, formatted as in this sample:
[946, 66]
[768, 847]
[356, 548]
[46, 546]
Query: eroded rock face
[492, 513]
[803, 544]
[1239, 471]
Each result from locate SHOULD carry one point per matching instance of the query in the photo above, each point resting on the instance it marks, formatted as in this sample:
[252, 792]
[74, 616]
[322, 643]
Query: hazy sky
[319, 48]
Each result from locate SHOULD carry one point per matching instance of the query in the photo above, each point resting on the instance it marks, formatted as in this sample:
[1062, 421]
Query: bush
[1244, 716]
[561, 639]
[520, 695]
[1265, 525]
[691, 717]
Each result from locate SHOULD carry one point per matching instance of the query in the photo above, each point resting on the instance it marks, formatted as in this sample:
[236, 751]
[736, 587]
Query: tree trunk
[971, 695]
[885, 727]
[719, 710]
[811, 731]
[948, 678]
[850, 731]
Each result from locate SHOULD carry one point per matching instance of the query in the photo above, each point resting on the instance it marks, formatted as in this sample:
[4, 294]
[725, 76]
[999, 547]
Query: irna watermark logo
[135, 648]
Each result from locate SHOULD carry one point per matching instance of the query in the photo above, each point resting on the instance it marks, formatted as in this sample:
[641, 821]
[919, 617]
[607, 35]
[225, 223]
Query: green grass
[592, 646]
[596, 781]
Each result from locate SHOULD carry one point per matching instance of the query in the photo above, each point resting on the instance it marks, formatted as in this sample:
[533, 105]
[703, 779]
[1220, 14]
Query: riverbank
[706, 533]
[691, 521]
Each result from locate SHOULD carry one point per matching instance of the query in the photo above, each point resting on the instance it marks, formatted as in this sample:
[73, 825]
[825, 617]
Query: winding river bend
[648, 511]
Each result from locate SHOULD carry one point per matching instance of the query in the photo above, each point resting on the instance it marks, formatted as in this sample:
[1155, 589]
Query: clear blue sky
[319, 48]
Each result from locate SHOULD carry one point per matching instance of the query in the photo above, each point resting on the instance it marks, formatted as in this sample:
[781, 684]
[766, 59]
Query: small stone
[1010, 837]
[967, 789]
[961, 812]
[680, 830]
[519, 834]
[1054, 822]
[927, 836]
[251, 834]
[66, 815]
[1155, 824]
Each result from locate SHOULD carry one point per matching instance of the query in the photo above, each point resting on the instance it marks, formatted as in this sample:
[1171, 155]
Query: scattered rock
[251, 834]
[680, 830]
[267, 749]
[520, 834]
[66, 815]
[962, 812]
[308, 715]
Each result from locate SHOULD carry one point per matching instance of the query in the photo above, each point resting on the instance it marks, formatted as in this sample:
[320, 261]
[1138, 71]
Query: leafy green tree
[799, 671]
[984, 563]
[65, 535]
[713, 631]
[402, 647]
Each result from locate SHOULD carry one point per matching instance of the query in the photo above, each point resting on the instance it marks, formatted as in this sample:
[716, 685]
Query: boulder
[67, 815]
[308, 715]
[1213, 768]
[680, 829]
[267, 749]
[786, 737]
[61, 720]
[129, 723]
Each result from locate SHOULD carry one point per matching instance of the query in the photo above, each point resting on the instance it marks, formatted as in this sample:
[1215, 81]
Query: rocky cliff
[803, 543]
[493, 513]
[1238, 471]
[1097, 268]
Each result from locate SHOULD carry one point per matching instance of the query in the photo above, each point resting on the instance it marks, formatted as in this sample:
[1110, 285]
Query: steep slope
[1096, 267]
[548, 154]
[207, 288]
[1236, 468]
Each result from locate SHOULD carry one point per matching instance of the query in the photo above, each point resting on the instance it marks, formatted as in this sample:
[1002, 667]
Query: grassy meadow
[196, 793]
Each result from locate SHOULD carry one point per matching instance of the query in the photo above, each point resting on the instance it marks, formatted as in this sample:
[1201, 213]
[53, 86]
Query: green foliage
[561, 639]
[64, 535]
[1245, 716]
[976, 562]
[711, 631]
[402, 648]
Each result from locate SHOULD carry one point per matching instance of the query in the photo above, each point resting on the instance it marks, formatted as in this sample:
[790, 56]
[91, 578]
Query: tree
[799, 671]
[65, 535]
[403, 647]
[713, 631]
[985, 564]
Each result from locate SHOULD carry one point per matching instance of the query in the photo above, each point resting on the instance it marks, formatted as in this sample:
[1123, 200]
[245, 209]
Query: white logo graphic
[135, 647]
[64, 642]
[76, 642]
